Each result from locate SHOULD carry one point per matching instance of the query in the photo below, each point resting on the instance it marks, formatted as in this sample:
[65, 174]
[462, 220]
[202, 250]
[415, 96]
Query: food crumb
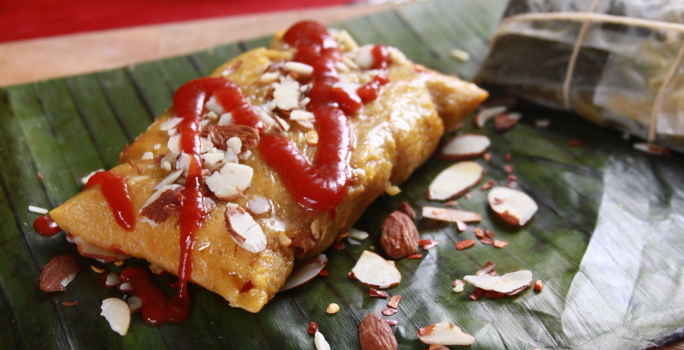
[333, 309]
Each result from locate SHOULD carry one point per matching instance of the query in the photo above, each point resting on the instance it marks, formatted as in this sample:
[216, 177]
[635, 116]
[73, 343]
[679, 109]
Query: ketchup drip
[380, 56]
[370, 91]
[115, 190]
[156, 308]
[323, 184]
[45, 226]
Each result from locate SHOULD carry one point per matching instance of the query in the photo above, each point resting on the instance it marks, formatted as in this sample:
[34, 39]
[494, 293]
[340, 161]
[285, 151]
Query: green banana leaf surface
[607, 239]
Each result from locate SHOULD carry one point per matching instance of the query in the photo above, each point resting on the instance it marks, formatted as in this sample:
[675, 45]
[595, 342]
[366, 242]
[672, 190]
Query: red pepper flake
[465, 244]
[391, 322]
[247, 287]
[538, 285]
[575, 143]
[424, 242]
[70, 303]
[512, 185]
[509, 168]
[351, 276]
[489, 234]
[394, 301]
[494, 295]
[487, 241]
[426, 330]
[487, 185]
[135, 166]
[487, 156]
[457, 282]
[478, 232]
[374, 293]
[40, 175]
[415, 256]
[512, 178]
[427, 243]
[323, 272]
[389, 312]
[477, 293]
[338, 246]
[507, 157]
[450, 203]
[431, 245]
[461, 226]
[500, 244]
[313, 327]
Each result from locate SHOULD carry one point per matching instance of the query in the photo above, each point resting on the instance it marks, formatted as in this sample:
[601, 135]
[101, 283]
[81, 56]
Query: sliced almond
[320, 342]
[458, 286]
[245, 231]
[450, 215]
[372, 270]
[259, 205]
[505, 121]
[286, 94]
[466, 146]
[134, 304]
[169, 179]
[455, 181]
[445, 333]
[652, 148]
[507, 283]
[58, 273]
[90, 250]
[513, 206]
[117, 313]
[303, 273]
[487, 113]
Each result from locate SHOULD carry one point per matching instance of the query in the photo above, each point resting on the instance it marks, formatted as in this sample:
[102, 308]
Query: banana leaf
[606, 241]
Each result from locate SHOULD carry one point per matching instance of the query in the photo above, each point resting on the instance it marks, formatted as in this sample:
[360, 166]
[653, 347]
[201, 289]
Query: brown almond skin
[399, 235]
[376, 334]
[55, 271]
[406, 208]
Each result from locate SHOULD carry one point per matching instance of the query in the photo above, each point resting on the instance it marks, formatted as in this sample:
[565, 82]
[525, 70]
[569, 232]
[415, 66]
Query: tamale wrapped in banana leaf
[617, 63]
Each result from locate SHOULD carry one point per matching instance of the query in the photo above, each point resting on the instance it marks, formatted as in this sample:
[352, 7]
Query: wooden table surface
[38, 59]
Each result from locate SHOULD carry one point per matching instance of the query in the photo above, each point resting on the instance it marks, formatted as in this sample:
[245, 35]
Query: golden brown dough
[392, 137]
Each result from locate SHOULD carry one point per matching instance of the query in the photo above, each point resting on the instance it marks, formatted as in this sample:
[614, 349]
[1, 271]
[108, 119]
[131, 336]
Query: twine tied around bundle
[590, 17]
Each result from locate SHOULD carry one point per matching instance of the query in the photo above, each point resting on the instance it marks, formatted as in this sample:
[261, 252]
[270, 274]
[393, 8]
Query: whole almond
[407, 209]
[57, 273]
[399, 235]
[376, 334]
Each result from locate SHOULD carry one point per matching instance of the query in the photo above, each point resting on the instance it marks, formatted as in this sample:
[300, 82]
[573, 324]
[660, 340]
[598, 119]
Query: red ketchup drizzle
[188, 103]
[380, 56]
[45, 226]
[156, 308]
[115, 190]
[320, 186]
[370, 91]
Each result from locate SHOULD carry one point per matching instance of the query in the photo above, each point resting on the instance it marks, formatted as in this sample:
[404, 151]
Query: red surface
[25, 19]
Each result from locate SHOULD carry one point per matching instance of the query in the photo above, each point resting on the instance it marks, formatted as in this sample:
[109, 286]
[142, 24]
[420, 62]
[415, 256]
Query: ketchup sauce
[380, 57]
[115, 191]
[323, 184]
[45, 226]
[370, 91]
[156, 308]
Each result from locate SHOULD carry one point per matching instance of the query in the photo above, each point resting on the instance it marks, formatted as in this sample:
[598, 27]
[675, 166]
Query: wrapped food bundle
[617, 63]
